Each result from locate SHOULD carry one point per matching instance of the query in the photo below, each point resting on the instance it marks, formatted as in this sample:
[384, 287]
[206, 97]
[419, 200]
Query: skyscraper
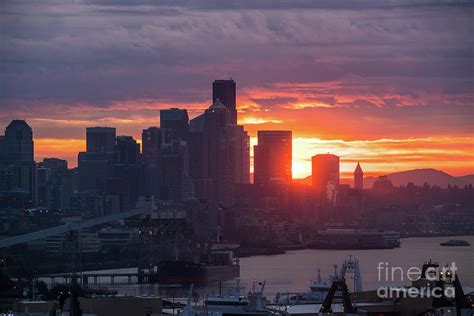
[358, 177]
[225, 91]
[18, 168]
[175, 182]
[18, 142]
[239, 141]
[54, 183]
[152, 139]
[216, 166]
[127, 150]
[325, 174]
[273, 157]
[100, 139]
[95, 165]
[94, 170]
[176, 120]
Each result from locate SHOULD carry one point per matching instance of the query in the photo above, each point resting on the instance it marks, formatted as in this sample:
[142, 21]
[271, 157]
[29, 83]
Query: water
[294, 270]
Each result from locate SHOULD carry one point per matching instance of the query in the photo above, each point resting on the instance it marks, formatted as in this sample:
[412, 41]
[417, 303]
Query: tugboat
[455, 243]
[317, 293]
[320, 289]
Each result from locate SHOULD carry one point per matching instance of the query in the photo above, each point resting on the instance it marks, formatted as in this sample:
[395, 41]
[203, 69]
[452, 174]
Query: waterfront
[293, 270]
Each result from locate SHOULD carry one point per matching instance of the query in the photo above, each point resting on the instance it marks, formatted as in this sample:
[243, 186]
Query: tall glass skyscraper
[273, 157]
[225, 91]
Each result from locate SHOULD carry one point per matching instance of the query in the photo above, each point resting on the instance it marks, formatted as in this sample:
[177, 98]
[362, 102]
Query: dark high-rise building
[215, 167]
[54, 184]
[212, 147]
[273, 157]
[225, 91]
[94, 170]
[239, 142]
[176, 120]
[176, 185]
[127, 150]
[95, 165]
[55, 164]
[125, 180]
[100, 139]
[2, 149]
[152, 139]
[17, 165]
[325, 174]
[358, 177]
[18, 142]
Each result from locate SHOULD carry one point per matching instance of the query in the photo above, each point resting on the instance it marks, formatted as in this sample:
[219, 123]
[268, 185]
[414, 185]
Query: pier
[86, 278]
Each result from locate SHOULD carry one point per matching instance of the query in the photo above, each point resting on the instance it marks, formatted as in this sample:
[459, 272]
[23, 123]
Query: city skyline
[357, 88]
[350, 152]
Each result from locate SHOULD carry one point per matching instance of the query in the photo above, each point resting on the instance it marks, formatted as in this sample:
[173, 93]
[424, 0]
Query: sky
[386, 83]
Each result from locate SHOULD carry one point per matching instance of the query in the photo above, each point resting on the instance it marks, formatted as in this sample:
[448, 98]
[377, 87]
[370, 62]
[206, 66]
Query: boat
[455, 243]
[317, 293]
[254, 303]
[319, 289]
[216, 266]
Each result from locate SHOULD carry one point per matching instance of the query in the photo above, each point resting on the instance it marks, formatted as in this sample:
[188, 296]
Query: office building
[175, 120]
[127, 150]
[176, 185]
[152, 139]
[95, 165]
[273, 157]
[225, 92]
[94, 170]
[18, 143]
[212, 155]
[54, 183]
[239, 142]
[100, 139]
[325, 174]
[17, 165]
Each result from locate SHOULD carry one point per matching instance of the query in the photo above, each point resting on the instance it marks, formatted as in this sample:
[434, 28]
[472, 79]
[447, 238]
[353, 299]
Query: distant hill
[420, 176]
[416, 176]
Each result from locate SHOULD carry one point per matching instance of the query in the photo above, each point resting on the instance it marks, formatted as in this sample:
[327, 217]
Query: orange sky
[387, 84]
[454, 155]
[378, 142]
[383, 138]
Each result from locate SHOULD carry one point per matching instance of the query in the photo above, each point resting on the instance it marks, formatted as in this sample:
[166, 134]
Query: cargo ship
[352, 238]
[218, 266]
[455, 243]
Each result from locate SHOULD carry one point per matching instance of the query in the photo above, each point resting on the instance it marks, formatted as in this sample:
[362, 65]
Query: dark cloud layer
[131, 57]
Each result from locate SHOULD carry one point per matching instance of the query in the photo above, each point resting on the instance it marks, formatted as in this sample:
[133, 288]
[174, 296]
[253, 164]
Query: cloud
[325, 69]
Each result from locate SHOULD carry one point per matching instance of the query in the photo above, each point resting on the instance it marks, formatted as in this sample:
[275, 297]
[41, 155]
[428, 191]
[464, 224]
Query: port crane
[352, 266]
